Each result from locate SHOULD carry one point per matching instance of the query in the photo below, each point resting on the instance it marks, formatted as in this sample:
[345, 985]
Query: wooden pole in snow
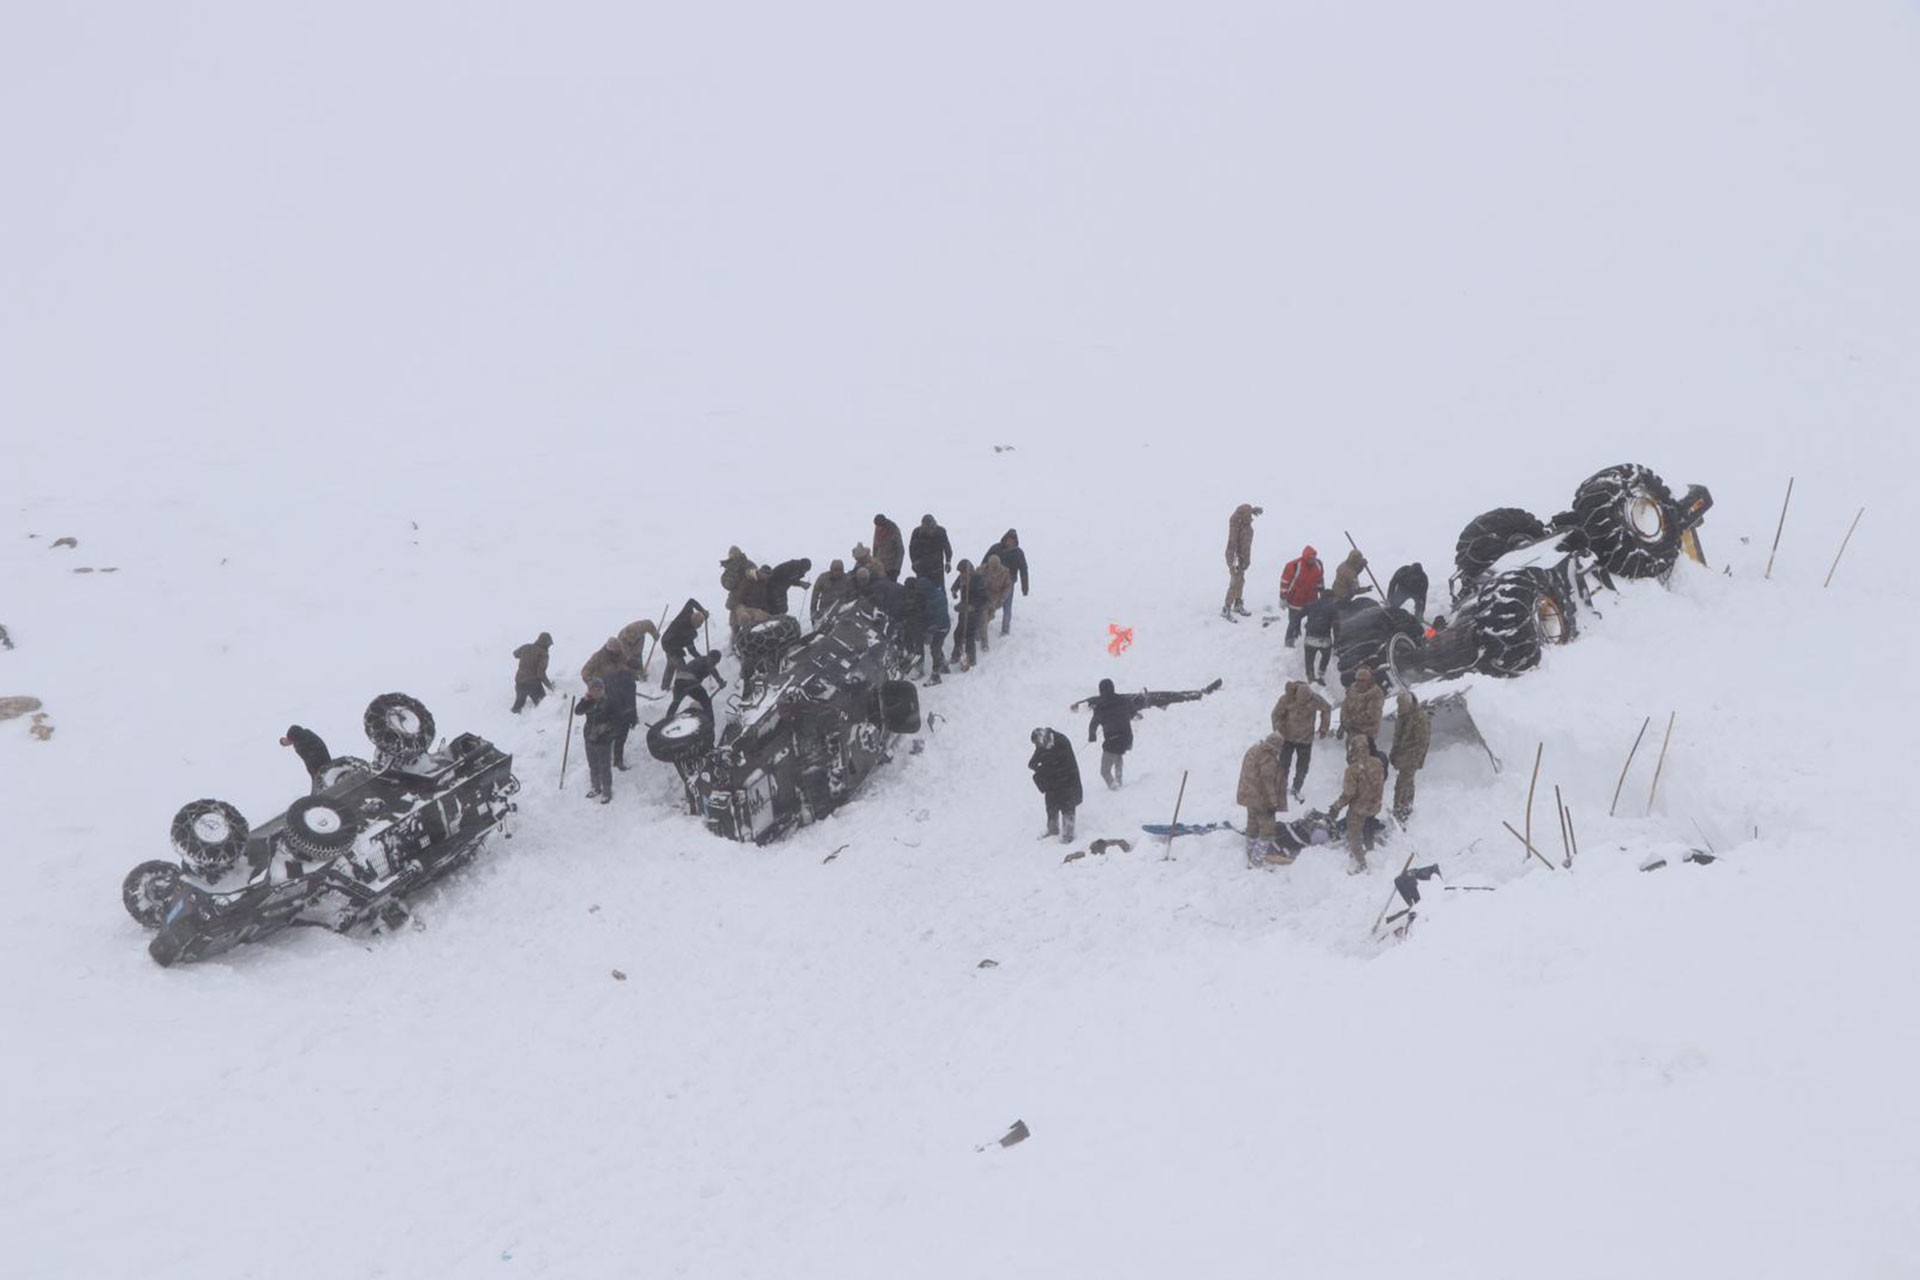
[566, 744]
[1628, 765]
[1173, 828]
[1528, 840]
[1843, 547]
[1655, 789]
[1529, 844]
[1778, 529]
[1566, 841]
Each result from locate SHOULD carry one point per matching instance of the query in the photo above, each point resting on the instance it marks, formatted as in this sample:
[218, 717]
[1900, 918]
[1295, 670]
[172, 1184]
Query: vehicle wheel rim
[1647, 519]
[1553, 624]
[212, 828]
[322, 822]
[681, 727]
[401, 720]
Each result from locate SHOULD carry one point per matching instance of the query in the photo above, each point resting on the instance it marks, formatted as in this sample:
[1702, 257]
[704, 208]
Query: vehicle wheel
[1628, 521]
[1492, 535]
[763, 642]
[399, 727]
[318, 830]
[687, 736]
[899, 706]
[148, 889]
[1515, 617]
[342, 771]
[209, 836]
[1452, 652]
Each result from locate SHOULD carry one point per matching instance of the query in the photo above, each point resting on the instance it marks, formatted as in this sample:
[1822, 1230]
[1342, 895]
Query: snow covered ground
[363, 347]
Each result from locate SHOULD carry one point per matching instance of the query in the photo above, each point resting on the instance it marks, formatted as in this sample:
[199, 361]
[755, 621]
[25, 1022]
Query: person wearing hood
[1294, 717]
[1056, 775]
[1113, 715]
[602, 660]
[1239, 557]
[1408, 585]
[733, 572]
[1015, 560]
[750, 601]
[829, 589]
[633, 638]
[1412, 733]
[530, 682]
[999, 594]
[1300, 584]
[1363, 708]
[969, 612]
[930, 551]
[1346, 579]
[1263, 793]
[1360, 797]
[888, 548]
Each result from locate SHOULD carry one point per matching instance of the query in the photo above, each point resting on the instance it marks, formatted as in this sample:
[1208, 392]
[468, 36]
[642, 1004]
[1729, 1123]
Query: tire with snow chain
[687, 735]
[761, 643]
[1492, 535]
[1516, 616]
[399, 727]
[318, 830]
[1362, 634]
[341, 771]
[1627, 520]
[897, 703]
[209, 836]
[148, 889]
[1453, 651]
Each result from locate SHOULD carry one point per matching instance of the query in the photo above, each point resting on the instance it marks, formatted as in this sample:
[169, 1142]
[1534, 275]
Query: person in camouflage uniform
[1346, 579]
[1360, 797]
[829, 589]
[999, 591]
[633, 638]
[1412, 732]
[1293, 723]
[733, 572]
[889, 548]
[608, 656]
[1263, 791]
[530, 682]
[1362, 708]
[1239, 556]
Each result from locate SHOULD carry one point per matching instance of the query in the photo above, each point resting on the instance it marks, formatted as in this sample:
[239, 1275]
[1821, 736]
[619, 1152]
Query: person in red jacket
[1300, 584]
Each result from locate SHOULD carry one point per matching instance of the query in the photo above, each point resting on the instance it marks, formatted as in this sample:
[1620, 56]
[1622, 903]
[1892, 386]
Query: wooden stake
[1843, 547]
[1655, 789]
[1778, 529]
[1628, 765]
[658, 626]
[1173, 828]
[1530, 849]
[1566, 843]
[1370, 577]
[1528, 840]
[1572, 834]
[566, 744]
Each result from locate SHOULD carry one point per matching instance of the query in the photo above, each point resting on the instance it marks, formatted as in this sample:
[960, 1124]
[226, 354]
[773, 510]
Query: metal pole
[1843, 547]
[1628, 765]
[1537, 751]
[1778, 529]
[1655, 789]
[1173, 828]
[567, 744]
[1370, 577]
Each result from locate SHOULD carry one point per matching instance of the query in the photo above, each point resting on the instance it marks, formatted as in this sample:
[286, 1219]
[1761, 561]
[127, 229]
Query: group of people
[921, 621]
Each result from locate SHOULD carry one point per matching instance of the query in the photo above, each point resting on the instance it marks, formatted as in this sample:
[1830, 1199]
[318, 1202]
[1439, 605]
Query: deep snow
[365, 347]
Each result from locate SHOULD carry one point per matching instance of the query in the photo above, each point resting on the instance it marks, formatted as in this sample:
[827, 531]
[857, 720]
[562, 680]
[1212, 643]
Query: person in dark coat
[888, 548]
[1015, 560]
[936, 622]
[969, 613]
[690, 684]
[1056, 774]
[307, 745]
[622, 697]
[1112, 716]
[929, 550]
[1317, 627]
[680, 637]
[1408, 585]
[530, 682]
[599, 726]
[783, 578]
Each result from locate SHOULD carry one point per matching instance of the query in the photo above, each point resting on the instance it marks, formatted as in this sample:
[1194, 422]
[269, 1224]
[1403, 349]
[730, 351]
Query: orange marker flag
[1122, 637]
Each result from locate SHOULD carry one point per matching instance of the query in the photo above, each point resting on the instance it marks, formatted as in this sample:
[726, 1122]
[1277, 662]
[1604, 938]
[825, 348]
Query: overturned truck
[817, 716]
[370, 834]
[1520, 583]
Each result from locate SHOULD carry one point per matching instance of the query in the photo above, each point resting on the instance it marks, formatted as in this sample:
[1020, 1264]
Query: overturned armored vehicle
[1519, 583]
[349, 854]
[818, 715]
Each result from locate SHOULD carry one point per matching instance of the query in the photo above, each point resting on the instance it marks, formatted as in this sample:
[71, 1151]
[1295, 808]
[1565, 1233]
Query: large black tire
[1627, 520]
[399, 727]
[209, 836]
[1516, 616]
[148, 889]
[897, 703]
[1492, 535]
[341, 771]
[1452, 652]
[318, 830]
[1362, 633]
[688, 735]
[761, 644]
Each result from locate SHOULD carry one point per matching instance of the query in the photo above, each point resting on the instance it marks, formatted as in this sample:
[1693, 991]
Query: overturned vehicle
[816, 716]
[371, 833]
[1520, 583]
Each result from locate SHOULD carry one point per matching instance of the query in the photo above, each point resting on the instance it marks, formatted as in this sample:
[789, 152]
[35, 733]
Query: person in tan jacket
[1346, 579]
[1412, 733]
[1239, 556]
[1293, 723]
[1361, 710]
[999, 588]
[1360, 797]
[1263, 791]
[530, 682]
